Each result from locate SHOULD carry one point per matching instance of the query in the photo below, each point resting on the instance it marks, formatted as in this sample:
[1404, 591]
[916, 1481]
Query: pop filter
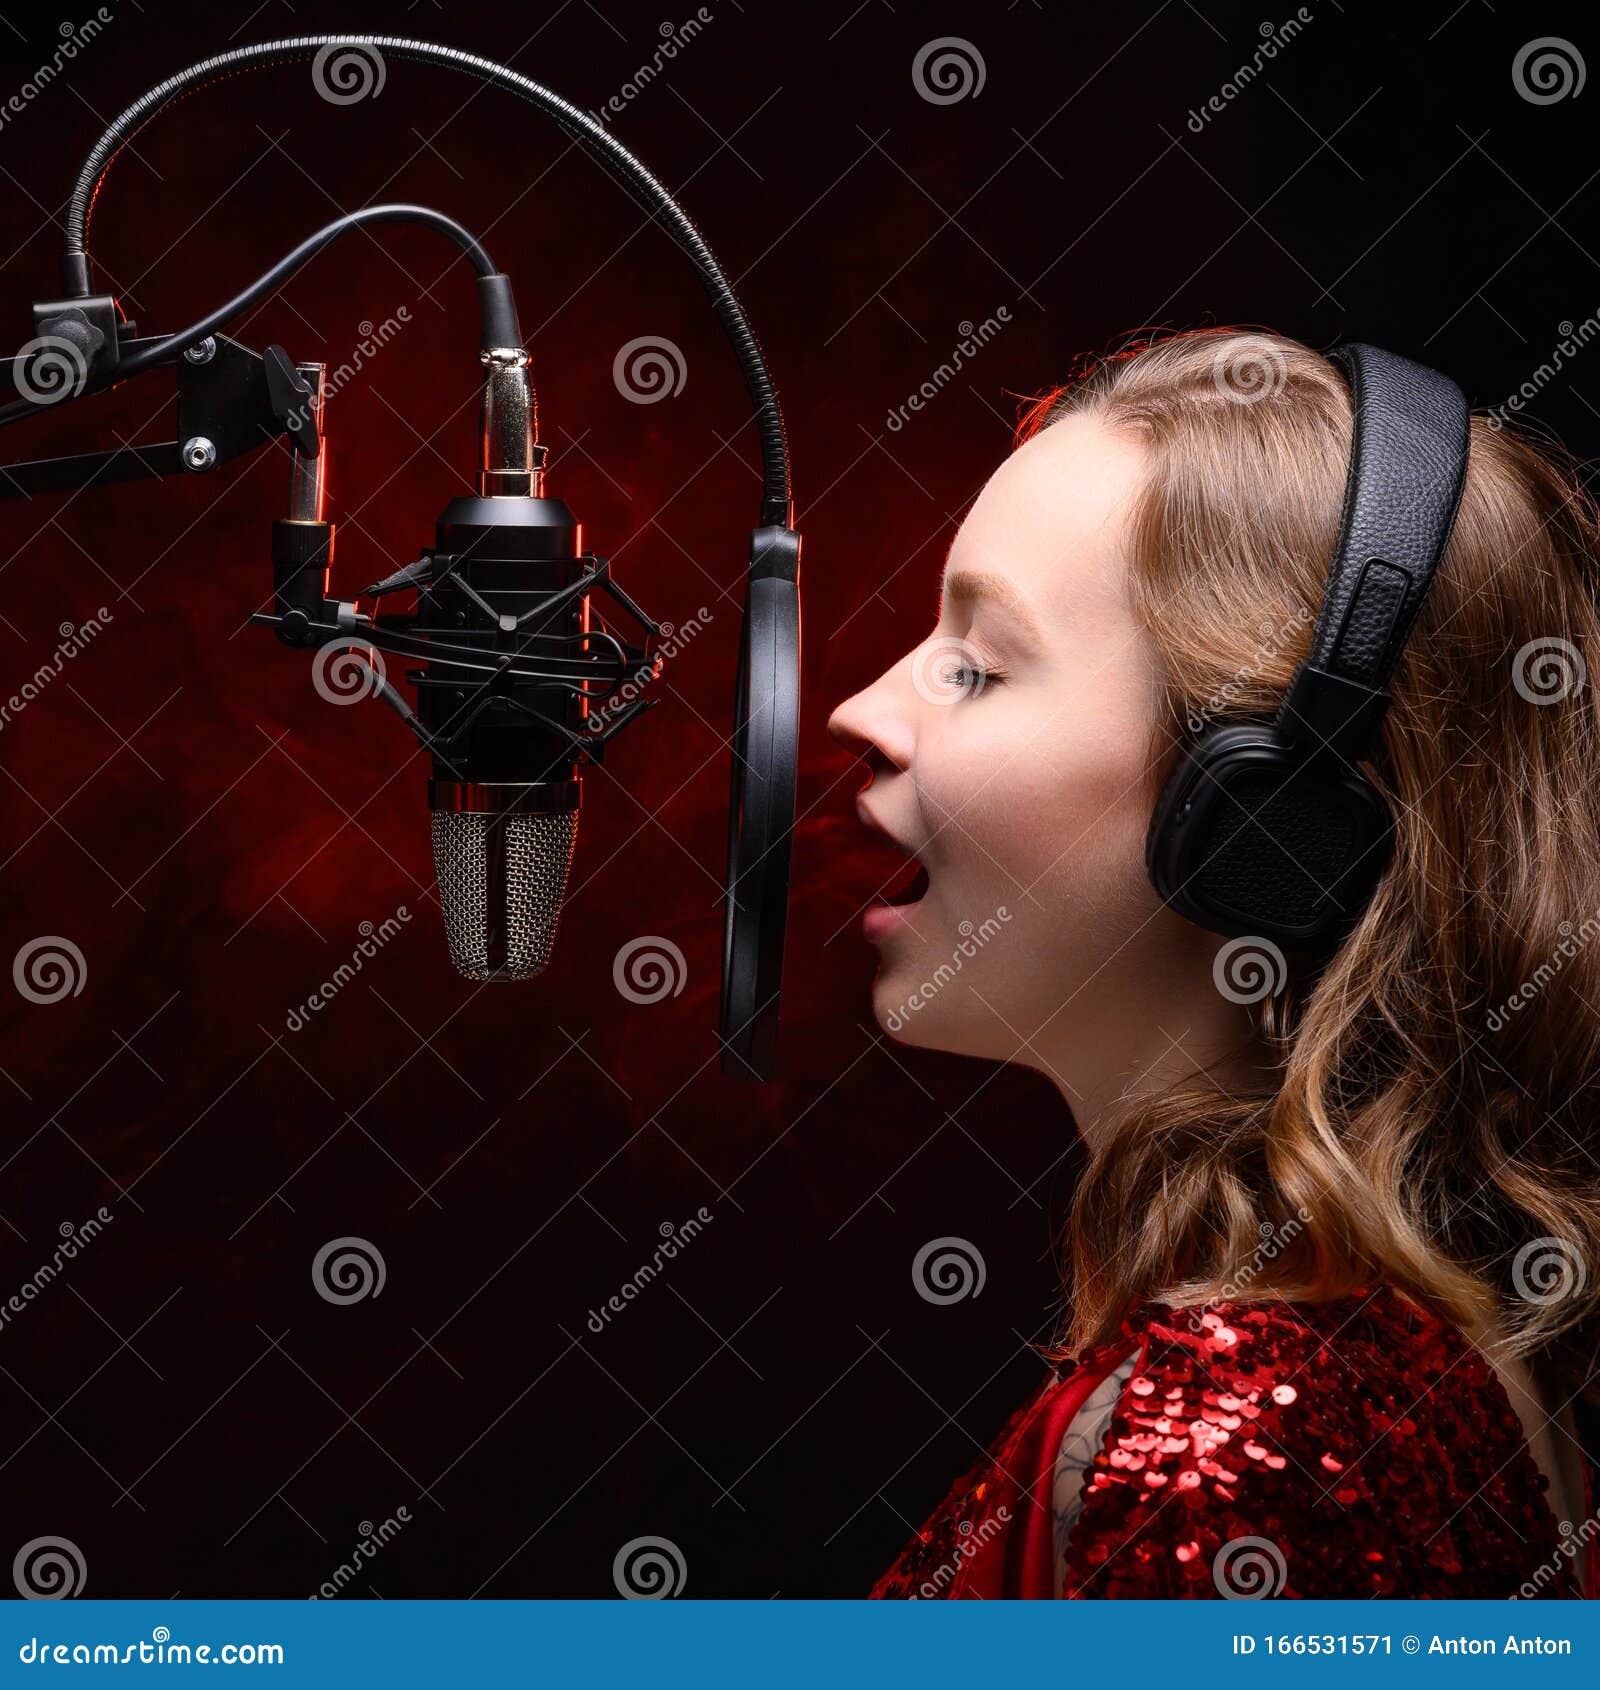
[766, 733]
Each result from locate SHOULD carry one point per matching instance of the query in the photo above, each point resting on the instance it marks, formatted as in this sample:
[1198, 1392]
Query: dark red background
[183, 806]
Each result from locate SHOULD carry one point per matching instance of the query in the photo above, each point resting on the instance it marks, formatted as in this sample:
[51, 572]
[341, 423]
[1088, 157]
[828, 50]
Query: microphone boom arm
[231, 400]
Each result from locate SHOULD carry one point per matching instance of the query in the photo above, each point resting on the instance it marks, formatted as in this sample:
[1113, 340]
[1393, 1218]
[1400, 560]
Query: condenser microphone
[505, 789]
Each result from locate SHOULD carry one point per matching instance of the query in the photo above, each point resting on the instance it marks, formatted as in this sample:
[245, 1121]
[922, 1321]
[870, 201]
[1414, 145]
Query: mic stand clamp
[230, 401]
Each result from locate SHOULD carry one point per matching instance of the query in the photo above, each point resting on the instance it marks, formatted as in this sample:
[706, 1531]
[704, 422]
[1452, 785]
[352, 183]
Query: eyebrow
[973, 585]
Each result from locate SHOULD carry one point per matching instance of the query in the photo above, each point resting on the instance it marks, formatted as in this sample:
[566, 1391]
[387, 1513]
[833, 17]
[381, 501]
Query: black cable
[168, 351]
[577, 124]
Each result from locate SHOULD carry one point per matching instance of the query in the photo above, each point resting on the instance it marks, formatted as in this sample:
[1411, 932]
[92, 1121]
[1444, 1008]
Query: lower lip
[883, 919]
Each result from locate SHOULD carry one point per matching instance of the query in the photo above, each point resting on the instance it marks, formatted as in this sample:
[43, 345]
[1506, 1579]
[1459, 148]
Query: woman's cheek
[1058, 821]
[969, 785]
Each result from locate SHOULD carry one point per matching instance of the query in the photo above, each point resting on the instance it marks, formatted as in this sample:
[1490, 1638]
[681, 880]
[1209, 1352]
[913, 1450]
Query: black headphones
[1268, 828]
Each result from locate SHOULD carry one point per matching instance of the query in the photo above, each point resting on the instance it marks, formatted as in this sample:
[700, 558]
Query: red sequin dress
[1352, 1448]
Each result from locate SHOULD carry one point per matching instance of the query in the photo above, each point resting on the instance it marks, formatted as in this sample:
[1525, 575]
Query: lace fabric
[1074, 1460]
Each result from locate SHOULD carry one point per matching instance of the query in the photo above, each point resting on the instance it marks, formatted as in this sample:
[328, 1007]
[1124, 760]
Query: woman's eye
[970, 678]
[947, 671]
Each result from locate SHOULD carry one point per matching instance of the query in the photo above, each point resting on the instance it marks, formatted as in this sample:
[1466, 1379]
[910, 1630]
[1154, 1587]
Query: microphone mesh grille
[501, 882]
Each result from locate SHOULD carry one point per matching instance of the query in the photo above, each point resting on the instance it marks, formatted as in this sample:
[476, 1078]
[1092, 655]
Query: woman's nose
[846, 724]
[874, 721]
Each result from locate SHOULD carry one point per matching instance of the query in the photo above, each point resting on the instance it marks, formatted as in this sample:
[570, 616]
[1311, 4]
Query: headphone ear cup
[1251, 837]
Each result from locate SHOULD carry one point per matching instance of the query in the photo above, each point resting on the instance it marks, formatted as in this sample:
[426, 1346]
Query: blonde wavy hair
[1437, 1121]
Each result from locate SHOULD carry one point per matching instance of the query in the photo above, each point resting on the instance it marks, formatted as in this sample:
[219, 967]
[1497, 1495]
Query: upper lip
[868, 820]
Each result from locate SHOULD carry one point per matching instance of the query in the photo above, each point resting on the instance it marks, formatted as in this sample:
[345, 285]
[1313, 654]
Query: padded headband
[1408, 462]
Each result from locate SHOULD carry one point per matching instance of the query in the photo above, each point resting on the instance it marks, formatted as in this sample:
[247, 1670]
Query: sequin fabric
[1352, 1448]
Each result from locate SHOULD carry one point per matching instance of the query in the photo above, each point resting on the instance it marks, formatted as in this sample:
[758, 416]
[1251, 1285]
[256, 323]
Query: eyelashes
[971, 679]
[950, 667]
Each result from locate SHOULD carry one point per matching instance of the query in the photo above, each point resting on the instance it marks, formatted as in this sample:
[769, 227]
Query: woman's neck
[1236, 1059]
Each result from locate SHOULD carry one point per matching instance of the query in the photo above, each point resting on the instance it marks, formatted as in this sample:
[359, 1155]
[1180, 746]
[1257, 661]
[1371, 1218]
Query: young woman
[1335, 1258]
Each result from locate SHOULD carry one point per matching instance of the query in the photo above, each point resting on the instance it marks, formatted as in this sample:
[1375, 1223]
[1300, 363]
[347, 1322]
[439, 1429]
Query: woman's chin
[905, 1010]
[939, 1014]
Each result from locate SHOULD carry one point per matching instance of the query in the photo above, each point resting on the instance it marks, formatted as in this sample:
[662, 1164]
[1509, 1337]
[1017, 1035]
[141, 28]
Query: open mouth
[908, 887]
[903, 885]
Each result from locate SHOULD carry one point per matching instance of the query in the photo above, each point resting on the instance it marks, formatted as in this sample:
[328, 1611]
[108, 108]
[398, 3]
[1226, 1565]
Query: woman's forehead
[1052, 517]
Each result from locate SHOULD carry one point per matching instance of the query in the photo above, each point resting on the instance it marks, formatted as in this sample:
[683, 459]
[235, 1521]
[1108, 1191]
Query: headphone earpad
[1251, 837]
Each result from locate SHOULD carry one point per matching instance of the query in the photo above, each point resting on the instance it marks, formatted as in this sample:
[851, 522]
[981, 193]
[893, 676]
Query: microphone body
[505, 787]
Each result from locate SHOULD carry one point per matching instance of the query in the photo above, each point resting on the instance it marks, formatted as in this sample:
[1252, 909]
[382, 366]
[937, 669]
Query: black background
[182, 806]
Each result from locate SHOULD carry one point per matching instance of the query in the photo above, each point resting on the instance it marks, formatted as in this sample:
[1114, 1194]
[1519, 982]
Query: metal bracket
[227, 406]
